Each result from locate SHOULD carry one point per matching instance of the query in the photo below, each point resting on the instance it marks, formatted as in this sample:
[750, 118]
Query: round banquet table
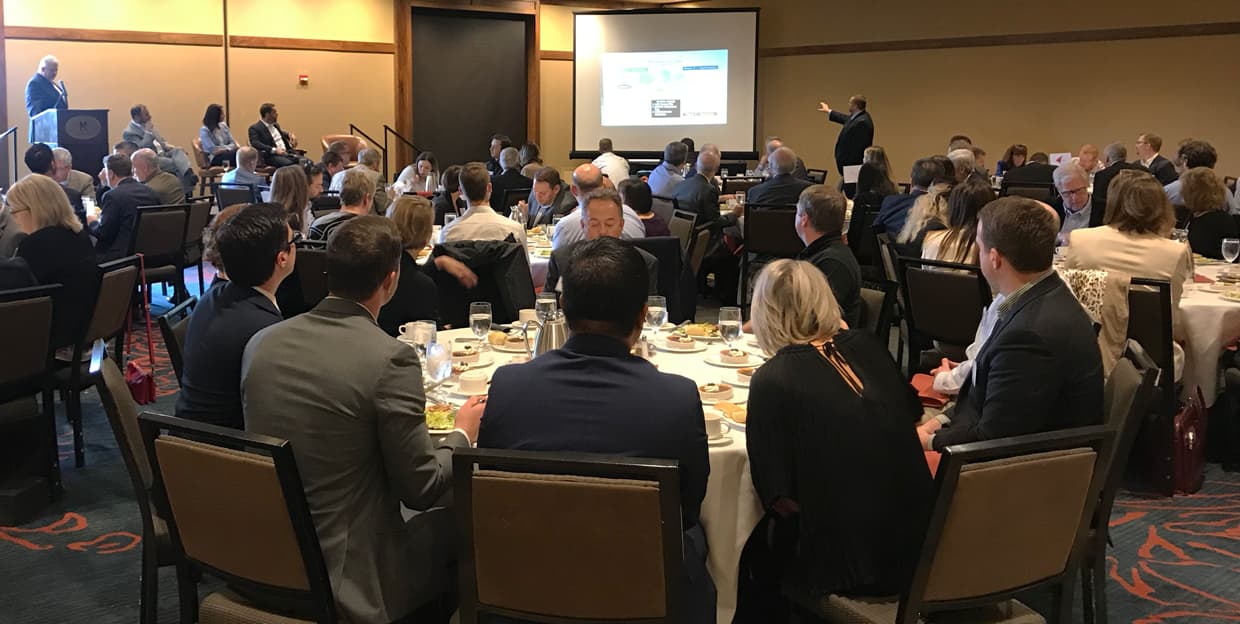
[1210, 323]
[731, 508]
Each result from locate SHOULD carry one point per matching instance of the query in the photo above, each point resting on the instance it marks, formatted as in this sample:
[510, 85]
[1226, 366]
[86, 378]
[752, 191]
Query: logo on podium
[82, 127]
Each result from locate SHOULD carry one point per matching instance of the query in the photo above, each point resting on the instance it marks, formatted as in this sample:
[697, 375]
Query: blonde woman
[929, 211]
[832, 444]
[58, 251]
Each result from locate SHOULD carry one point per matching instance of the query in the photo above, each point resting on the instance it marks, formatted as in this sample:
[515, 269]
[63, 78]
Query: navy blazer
[856, 135]
[784, 188]
[118, 216]
[894, 211]
[1039, 371]
[699, 196]
[1163, 170]
[591, 396]
[504, 182]
[41, 94]
[226, 317]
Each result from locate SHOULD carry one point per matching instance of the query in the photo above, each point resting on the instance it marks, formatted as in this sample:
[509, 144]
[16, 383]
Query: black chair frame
[887, 312]
[39, 383]
[167, 329]
[904, 264]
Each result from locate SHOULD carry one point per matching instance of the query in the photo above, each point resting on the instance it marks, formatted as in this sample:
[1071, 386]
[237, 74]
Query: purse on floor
[141, 381]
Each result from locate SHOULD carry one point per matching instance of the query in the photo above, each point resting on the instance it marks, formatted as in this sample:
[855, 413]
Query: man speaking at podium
[42, 91]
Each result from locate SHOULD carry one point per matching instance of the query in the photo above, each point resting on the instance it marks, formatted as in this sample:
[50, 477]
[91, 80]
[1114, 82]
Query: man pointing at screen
[857, 134]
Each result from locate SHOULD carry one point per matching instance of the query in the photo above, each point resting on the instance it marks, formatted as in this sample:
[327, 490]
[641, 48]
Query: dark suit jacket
[500, 184]
[563, 204]
[357, 427]
[1102, 183]
[260, 138]
[839, 265]
[119, 212]
[15, 274]
[1039, 371]
[58, 255]
[416, 298]
[699, 196]
[1037, 173]
[784, 188]
[894, 211]
[562, 257]
[442, 203]
[1162, 169]
[857, 134]
[223, 322]
[41, 95]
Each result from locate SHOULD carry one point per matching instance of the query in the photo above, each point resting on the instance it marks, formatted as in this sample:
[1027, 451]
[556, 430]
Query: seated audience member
[715, 181]
[979, 162]
[216, 138]
[480, 221]
[1073, 205]
[826, 389]
[636, 195]
[357, 426]
[613, 166]
[603, 215]
[290, 188]
[356, 196]
[416, 298]
[820, 225]
[449, 202]
[531, 160]
[369, 162]
[1041, 369]
[1037, 171]
[56, 250]
[1013, 158]
[699, 196]
[963, 162]
[875, 175]
[274, 144]
[592, 396]
[166, 186]
[1205, 197]
[499, 142]
[113, 228]
[1148, 146]
[1192, 154]
[697, 193]
[782, 187]
[508, 179]
[142, 133]
[258, 247]
[669, 174]
[1115, 160]
[332, 163]
[549, 198]
[929, 210]
[41, 160]
[1040, 158]
[210, 251]
[1087, 158]
[959, 141]
[422, 175]
[71, 178]
[764, 164]
[895, 208]
[956, 243]
[586, 179]
[244, 173]
[313, 173]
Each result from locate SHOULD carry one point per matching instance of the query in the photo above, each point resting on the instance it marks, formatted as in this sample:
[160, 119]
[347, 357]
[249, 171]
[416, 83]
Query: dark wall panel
[469, 82]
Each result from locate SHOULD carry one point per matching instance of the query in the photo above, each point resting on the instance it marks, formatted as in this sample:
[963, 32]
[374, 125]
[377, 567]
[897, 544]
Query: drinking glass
[1231, 249]
[438, 365]
[480, 321]
[729, 325]
[545, 306]
[423, 336]
[656, 312]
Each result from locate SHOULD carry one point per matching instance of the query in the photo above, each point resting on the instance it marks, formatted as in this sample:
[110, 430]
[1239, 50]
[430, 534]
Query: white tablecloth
[1210, 323]
[731, 508]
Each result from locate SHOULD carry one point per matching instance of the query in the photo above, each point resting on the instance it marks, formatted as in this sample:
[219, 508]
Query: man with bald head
[699, 196]
[141, 132]
[764, 166]
[783, 187]
[43, 92]
[247, 162]
[167, 186]
[586, 179]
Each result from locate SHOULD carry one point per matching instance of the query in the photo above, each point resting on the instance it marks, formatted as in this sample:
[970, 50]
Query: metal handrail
[354, 130]
[389, 130]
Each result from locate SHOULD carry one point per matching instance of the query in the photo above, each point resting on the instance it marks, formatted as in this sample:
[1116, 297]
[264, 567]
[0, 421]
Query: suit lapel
[1038, 291]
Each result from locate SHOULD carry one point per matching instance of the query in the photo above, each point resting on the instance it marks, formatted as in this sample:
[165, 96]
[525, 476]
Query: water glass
[480, 321]
[656, 312]
[545, 306]
[423, 336]
[729, 324]
[1231, 249]
[438, 364]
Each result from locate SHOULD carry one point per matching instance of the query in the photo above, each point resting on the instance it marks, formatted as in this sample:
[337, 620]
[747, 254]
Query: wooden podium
[83, 132]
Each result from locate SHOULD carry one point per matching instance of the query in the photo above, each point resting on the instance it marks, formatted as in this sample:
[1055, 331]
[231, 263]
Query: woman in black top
[832, 444]
[448, 201]
[58, 251]
[1205, 197]
[416, 297]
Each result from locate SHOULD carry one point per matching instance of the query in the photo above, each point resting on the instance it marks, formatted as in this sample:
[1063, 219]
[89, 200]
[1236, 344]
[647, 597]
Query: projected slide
[682, 88]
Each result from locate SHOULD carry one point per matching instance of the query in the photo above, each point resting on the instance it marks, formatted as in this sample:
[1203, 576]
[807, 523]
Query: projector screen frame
[658, 154]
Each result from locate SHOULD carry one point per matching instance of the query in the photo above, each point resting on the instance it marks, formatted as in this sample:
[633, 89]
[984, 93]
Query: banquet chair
[862, 239]
[664, 206]
[29, 457]
[817, 176]
[207, 174]
[1008, 517]
[311, 270]
[944, 301]
[230, 194]
[675, 282]
[698, 250]
[159, 237]
[1033, 190]
[615, 558]
[109, 320]
[887, 261]
[172, 327]
[740, 184]
[157, 547]
[682, 228]
[325, 204]
[769, 230]
[195, 224]
[1126, 399]
[878, 306]
[352, 146]
[512, 196]
[1149, 324]
[235, 508]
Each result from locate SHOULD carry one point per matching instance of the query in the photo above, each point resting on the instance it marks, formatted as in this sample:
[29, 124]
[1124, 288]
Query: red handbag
[141, 381]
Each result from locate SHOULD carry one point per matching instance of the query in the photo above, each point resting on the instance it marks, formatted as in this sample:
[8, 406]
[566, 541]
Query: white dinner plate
[698, 347]
[504, 348]
[750, 360]
[484, 360]
[738, 382]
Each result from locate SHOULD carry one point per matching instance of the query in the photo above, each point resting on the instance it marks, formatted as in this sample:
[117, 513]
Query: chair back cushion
[26, 344]
[1041, 192]
[663, 207]
[226, 196]
[200, 155]
[311, 269]
[682, 229]
[772, 231]
[230, 511]
[945, 305]
[1012, 522]
[568, 546]
[199, 217]
[872, 309]
[116, 291]
[159, 234]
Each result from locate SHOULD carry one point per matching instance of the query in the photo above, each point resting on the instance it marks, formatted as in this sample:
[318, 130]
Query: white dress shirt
[480, 222]
[569, 230]
[613, 166]
[277, 139]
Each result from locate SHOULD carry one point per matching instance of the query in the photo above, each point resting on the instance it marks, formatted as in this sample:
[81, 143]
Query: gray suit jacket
[349, 399]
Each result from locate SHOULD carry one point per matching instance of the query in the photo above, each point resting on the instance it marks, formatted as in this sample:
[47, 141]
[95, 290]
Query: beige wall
[180, 16]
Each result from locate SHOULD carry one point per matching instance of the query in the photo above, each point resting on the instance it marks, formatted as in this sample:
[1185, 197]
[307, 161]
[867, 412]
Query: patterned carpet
[1174, 560]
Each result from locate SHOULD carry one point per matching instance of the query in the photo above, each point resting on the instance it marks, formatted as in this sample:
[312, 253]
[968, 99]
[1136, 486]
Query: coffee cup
[406, 330]
[528, 315]
[473, 382]
[714, 425]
